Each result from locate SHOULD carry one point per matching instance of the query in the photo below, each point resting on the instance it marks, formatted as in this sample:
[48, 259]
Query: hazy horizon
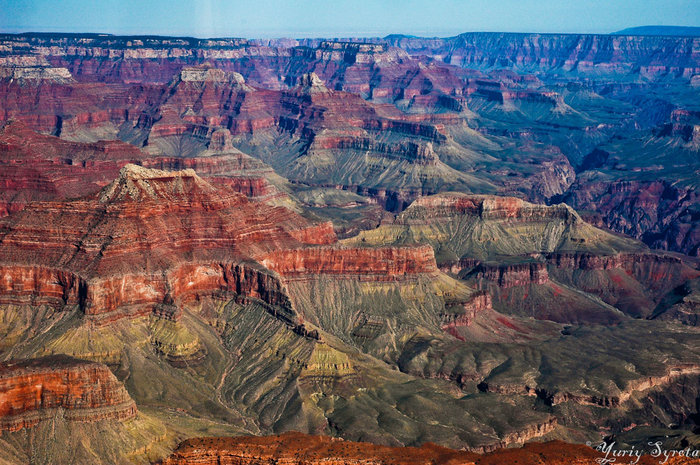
[361, 18]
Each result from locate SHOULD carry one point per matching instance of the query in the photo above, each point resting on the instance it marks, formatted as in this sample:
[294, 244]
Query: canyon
[370, 250]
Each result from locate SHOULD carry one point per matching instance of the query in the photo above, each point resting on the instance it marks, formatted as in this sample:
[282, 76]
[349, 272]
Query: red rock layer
[586, 261]
[31, 390]
[149, 237]
[658, 273]
[505, 276]
[233, 169]
[476, 304]
[647, 267]
[154, 237]
[382, 263]
[308, 110]
[298, 449]
[38, 167]
[52, 107]
[40, 285]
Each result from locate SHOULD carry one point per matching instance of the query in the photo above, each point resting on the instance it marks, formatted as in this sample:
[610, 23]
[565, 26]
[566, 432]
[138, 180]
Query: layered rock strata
[651, 57]
[37, 389]
[382, 263]
[149, 237]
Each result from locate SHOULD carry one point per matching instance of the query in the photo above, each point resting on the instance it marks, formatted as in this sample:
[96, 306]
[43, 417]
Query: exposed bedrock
[506, 276]
[651, 57]
[33, 390]
[150, 237]
[682, 304]
[381, 263]
[421, 154]
[632, 282]
[662, 215]
[107, 299]
[39, 167]
[554, 397]
[629, 261]
[391, 200]
[484, 206]
[237, 171]
[477, 303]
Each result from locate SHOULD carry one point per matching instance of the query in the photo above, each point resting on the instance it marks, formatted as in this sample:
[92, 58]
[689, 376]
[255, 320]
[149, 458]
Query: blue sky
[314, 18]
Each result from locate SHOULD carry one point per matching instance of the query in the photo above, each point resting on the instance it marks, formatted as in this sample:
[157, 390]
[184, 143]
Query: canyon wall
[34, 390]
[381, 263]
[648, 56]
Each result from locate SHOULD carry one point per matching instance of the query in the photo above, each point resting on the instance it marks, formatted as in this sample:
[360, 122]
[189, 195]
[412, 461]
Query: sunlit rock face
[150, 236]
[33, 390]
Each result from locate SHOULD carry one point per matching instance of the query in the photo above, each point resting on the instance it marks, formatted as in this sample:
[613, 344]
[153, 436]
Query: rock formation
[526, 255]
[386, 263]
[105, 253]
[295, 448]
[38, 167]
[35, 390]
[553, 52]
[663, 215]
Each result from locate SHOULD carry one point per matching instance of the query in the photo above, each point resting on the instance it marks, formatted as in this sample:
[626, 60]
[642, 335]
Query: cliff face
[662, 215]
[488, 228]
[506, 276]
[527, 256]
[32, 390]
[651, 57]
[633, 282]
[143, 90]
[683, 304]
[179, 116]
[306, 333]
[148, 237]
[474, 306]
[296, 448]
[642, 384]
[38, 167]
[35, 73]
[155, 237]
[318, 126]
[447, 206]
[386, 263]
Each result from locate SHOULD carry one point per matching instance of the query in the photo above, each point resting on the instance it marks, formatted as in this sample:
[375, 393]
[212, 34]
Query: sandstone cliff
[381, 264]
[34, 390]
[148, 237]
